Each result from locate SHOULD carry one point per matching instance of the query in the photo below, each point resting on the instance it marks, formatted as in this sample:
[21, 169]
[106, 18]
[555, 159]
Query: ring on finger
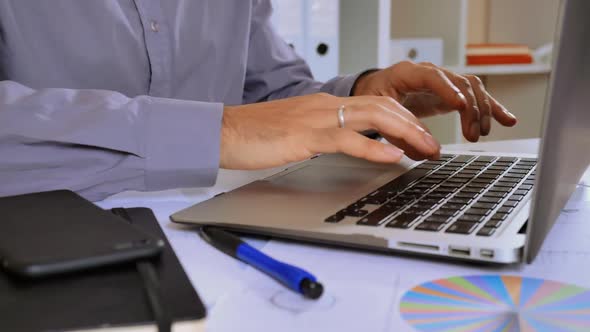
[341, 116]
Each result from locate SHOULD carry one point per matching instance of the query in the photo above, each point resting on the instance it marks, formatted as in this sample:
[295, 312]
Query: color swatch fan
[496, 303]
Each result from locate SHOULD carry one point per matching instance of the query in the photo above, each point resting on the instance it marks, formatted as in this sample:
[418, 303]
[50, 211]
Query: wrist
[360, 86]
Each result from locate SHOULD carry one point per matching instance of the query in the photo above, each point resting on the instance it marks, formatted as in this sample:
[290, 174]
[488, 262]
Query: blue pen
[293, 277]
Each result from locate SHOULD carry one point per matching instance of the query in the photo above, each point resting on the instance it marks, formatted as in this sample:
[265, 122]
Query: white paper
[358, 296]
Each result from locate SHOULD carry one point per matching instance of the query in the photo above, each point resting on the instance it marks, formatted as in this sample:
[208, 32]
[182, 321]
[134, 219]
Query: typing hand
[274, 133]
[426, 90]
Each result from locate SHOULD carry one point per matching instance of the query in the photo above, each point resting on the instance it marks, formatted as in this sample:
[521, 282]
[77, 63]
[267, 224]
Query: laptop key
[477, 212]
[355, 206]
[471, 218]
[473, 190]
[511, 203]
[376, 217]
[375, 200]
[483, 205]
[452, 206]
[463, 194]
[355, 213]
[499, 216]
[401, 182]
[463, 158]
[488, 199]
[521, 192]
[445, 213]
[461, 227]
[438, 219]
[495, 194]
[510, 159]
[430, 226]
[489, 176]
[486, 231]
[526, 187]
[335, 217]
[505, 209]
[495, 223]
[485, 158]
[460, 200]
[516, 198]
[404, 220]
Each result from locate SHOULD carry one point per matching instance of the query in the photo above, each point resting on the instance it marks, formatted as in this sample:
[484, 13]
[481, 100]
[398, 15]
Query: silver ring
[341, 116]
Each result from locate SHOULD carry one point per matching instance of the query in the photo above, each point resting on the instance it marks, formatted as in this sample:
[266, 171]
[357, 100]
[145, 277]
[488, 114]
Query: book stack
[498, 54]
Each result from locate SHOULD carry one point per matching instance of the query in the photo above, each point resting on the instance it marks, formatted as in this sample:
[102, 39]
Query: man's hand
[427, 90]
[274, 133]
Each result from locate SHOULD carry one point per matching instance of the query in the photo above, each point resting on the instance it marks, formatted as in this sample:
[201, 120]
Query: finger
[339, 140]
[470, 115]
[389, 122]
[427, 76]
[391, 103]
[483, 103]
[409, 150]
[501, 114]
[470, 112]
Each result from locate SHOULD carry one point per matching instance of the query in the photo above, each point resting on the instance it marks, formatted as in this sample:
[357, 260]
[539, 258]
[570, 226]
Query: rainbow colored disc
[496, 303]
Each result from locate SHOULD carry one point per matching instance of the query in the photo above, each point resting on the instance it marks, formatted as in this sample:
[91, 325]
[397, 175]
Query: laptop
[484, 207]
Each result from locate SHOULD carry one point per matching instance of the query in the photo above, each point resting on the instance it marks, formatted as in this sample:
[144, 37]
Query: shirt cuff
[340, 85]
[343, 86]
[182, 143]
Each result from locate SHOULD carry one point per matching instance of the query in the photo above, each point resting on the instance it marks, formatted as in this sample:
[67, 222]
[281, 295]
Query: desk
[237, 296]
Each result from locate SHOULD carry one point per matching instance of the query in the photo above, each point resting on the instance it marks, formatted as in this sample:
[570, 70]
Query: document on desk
[363, 290]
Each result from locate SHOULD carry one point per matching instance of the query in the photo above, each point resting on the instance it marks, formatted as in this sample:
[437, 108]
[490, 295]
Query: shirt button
[155, 26]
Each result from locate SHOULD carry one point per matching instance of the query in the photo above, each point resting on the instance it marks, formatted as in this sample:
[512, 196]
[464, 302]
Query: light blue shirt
[106, 96]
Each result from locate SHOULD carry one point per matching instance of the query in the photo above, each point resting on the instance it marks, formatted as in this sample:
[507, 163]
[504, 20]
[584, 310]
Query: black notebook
[108, 297]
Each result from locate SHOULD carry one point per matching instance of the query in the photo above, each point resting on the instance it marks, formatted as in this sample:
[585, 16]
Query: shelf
[503, 69]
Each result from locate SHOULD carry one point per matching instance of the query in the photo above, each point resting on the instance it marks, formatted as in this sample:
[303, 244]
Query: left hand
[426, 89]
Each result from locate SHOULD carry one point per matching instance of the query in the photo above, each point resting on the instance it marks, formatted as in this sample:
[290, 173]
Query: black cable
[151, 285]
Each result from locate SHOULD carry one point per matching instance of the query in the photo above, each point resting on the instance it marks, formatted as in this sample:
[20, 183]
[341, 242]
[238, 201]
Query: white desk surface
[239, 298]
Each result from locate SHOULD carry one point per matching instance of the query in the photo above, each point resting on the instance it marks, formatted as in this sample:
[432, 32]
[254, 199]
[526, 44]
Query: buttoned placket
[158, 46]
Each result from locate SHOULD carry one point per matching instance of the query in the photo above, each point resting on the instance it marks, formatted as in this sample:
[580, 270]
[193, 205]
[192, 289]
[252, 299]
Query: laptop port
[486, 253]
[419, 246]
[460, 251]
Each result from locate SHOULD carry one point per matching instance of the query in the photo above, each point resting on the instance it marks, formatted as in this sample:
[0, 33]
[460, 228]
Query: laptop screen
[565, 149]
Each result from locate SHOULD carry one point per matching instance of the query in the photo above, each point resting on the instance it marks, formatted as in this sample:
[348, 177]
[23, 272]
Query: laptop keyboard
[457, 194]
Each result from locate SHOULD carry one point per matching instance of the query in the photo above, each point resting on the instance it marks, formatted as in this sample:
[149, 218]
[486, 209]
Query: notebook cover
[112, 296]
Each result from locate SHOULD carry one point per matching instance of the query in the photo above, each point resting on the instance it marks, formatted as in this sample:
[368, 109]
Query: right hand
[275, 133]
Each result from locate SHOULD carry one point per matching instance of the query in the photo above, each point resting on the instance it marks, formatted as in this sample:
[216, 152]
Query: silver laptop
[465, 205]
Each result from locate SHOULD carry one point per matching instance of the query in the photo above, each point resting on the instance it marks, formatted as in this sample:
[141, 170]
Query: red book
[498, 54]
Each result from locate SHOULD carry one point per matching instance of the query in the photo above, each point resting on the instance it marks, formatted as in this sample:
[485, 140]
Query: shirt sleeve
[275, 71]
[98, 142]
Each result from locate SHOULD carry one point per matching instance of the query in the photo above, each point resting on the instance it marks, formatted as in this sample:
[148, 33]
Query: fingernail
[393, 151]
[474, 130]
[431, 142]
[509, 114]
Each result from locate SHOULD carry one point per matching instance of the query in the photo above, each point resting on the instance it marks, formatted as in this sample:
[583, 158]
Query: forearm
[100, 142]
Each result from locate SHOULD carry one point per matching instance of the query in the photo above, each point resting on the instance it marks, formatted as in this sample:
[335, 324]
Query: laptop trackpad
[318, 178]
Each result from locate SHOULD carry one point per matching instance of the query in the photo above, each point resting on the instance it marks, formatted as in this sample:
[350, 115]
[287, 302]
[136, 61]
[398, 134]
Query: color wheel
[496, 303]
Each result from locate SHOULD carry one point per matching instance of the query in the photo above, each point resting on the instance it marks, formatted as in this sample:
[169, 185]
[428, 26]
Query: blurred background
[507, 43]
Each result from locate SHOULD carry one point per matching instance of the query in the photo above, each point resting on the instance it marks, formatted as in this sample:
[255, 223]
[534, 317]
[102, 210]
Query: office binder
[311, 27]
[322, 30]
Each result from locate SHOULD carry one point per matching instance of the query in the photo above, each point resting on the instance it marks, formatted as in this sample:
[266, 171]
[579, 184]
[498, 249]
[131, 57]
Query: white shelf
[503, 69]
